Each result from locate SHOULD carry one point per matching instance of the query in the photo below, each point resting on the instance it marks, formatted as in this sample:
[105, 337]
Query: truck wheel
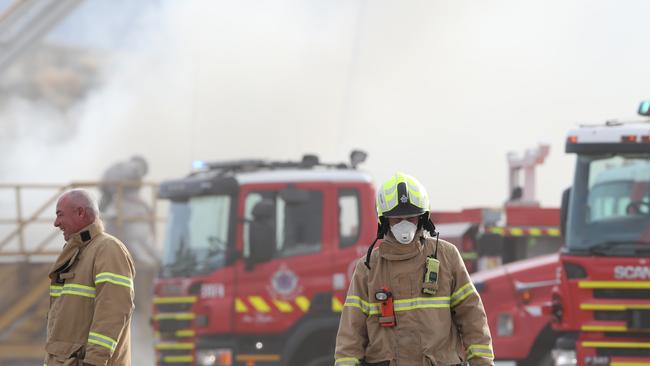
[321, 361]
[546, 360]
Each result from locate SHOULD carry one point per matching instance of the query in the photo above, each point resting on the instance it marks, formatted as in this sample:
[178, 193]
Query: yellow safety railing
[44, 213]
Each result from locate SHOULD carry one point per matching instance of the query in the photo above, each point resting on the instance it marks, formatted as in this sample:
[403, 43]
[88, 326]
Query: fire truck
[258, 256]
[515, 251]
[603, 298]
[257, 259]
[518, 261]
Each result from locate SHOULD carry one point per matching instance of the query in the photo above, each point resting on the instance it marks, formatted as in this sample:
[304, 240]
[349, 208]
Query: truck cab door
[355, 230]
[286, 261]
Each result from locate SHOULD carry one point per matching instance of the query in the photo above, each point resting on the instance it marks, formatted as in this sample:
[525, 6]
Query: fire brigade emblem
[403, 199]
[284, 283]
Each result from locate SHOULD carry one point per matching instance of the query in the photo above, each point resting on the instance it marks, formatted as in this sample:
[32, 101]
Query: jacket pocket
[66, 275]
[380, 363]
[68, 354]
[430, 361]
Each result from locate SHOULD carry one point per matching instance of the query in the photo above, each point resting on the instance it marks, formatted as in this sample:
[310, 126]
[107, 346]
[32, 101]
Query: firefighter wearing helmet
[411, 301]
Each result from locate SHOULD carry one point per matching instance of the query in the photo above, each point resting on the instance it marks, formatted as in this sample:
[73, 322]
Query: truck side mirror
[262, 232]
[564, 211]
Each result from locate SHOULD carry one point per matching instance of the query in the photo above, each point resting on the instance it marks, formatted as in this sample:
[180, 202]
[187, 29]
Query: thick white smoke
[437, 89]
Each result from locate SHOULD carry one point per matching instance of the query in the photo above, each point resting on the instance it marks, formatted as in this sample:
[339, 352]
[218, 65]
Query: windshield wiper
[619, 247]
[603, 249]
[184, 262]
[216, 245]
[215, 255]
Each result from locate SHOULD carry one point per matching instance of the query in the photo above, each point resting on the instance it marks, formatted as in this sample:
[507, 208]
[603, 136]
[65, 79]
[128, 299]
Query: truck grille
[610, 315]
[175, 357]
[625, 352]
[635, 319]
[171, 325]
[173, 308]
[621, 293]
[627, 335]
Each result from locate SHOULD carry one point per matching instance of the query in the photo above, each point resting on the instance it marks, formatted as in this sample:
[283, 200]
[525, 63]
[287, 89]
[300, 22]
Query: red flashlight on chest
[387, 316]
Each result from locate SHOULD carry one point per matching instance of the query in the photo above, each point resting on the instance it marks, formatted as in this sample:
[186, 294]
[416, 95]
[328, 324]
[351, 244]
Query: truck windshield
[197, 235]
[609, 210]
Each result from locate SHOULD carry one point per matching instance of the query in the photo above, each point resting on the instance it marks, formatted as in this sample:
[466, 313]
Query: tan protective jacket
[91, 302]
[446, 328]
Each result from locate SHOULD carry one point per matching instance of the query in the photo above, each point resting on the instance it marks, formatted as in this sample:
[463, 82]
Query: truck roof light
[628, 138]
[199, 164]
[572, 139]
[644, 108]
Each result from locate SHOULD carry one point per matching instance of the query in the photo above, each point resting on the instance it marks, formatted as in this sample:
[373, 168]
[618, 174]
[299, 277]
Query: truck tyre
[321, 361]
[546, 360]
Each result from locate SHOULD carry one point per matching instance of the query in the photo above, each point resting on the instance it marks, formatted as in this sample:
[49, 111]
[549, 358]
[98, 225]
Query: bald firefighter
[91, 290]
[411, 302]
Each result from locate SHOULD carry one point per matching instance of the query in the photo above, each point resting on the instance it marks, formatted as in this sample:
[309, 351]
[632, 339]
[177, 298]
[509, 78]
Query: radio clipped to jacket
[430, 285]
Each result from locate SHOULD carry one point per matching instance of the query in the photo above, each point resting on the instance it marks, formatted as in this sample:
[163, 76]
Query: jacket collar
[73, 247]
[85, 235]
[391, 249]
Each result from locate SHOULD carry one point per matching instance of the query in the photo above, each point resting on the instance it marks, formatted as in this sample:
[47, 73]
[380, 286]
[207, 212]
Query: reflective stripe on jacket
[91, 301]
[445, 328]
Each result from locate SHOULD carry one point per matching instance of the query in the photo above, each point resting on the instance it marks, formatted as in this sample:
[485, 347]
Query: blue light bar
[644, 108]
[199, 164]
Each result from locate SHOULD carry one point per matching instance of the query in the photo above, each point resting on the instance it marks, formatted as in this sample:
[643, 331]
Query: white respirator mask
[404, 231]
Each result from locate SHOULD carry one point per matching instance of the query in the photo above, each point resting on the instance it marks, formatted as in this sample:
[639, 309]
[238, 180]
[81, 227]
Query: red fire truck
[517, 259]
[258, 256]
[603, 297]
[513, 293]
[257, 260]
[515, 250]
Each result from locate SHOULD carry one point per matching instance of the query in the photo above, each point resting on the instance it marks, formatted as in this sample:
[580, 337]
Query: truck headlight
[564, 357]
[505, 325]
[214, 357]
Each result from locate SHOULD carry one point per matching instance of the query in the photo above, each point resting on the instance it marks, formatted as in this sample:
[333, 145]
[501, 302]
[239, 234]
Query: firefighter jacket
[91, 301]
[444, 328]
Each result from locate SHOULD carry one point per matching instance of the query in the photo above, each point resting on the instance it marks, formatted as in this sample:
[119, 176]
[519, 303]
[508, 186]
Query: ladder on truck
[29, 244]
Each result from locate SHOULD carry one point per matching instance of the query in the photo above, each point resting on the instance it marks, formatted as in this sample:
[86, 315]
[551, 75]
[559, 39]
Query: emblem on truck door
[284, 283]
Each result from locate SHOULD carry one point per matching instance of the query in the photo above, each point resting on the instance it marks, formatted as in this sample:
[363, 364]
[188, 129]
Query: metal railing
[20, 221]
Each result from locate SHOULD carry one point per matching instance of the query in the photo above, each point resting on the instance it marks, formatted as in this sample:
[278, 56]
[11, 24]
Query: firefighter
[411, 302]
[91, 290]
